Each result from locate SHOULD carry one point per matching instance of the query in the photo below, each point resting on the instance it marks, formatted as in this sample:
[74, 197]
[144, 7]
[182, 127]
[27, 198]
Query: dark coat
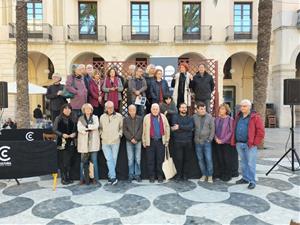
[202, 86]
[155, 88]
[56, 101]
[132, 87]
[186, 128]
[133, 128]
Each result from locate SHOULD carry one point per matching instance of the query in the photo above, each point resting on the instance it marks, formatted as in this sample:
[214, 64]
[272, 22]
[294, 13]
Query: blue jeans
[111, 156]
[134, 158]
[204, 156]
[94, 159]
[248, 161]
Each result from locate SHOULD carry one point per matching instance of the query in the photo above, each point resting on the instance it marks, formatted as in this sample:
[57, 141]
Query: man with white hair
[111, 127]
[89, 69]
[248, 133]
[54, 94]
[132, 130]
[156, 135]
[75, 84]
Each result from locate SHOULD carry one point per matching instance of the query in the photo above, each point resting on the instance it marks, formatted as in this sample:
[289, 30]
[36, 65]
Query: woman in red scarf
[112, 88]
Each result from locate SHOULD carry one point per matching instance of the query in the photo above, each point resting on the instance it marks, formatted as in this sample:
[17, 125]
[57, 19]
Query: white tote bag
[168, 166]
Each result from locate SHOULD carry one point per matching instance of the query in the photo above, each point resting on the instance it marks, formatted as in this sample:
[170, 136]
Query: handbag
[66, 93]
[168, 165]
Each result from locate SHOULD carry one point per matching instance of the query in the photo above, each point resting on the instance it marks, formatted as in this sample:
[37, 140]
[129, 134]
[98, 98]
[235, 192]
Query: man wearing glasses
[249, 132]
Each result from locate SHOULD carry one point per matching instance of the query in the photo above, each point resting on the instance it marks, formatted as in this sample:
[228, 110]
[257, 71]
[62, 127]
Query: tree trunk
[263, 56]
[23, 115]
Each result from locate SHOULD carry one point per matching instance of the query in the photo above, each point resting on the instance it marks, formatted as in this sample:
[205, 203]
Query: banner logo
[29, 137]
[4, 157]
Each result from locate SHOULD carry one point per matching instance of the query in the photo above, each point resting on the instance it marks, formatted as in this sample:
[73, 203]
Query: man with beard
[182, 127]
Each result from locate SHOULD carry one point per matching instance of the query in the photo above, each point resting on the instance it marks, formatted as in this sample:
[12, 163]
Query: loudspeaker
[291, 95]
[3, 95]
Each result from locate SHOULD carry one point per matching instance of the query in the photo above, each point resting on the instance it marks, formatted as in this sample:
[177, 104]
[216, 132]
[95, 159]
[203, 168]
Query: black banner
[27, 159]
[23, 134]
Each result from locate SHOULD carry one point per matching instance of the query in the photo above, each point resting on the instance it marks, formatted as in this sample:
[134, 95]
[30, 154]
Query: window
[88, 20]
[243, 19]
[35, 15]
[191, 20]
[140, 19]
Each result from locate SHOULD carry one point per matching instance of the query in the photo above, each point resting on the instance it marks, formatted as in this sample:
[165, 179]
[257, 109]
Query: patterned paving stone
[15, 206]
[82, 189]
[284, 200]
[275, 183]
[130, 205]
[17, 190]
[246, 201]
[121, 187]
[218, 185]
[180, 186]
[265, 162]
[52, 207]
[201, 194]
[192, 220]
[113, 221]
[46, 177]
[173, 203]
[294, 180]
[59, 222]
[248, 220]
[2, 185]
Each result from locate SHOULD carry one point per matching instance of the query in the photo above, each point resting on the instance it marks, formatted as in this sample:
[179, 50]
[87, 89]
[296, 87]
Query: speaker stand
[291, 149]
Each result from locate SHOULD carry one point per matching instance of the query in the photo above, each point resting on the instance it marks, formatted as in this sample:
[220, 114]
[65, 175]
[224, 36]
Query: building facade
[67, 32]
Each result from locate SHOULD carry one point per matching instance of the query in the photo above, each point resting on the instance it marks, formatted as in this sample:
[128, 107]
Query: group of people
[95, 119]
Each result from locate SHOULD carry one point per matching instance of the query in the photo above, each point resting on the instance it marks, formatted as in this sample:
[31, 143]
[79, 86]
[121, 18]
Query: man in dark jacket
[54, 94]
[137, 88]
[132, 130]
[38, 115]
[182, 127]
[248, 133]
[202, 85]
[149, 77]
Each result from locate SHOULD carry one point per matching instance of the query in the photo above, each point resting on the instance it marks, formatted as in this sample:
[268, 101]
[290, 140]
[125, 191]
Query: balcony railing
[241, 33]
[140, 33]
[203, 34]
[96, 33]
[35, 31]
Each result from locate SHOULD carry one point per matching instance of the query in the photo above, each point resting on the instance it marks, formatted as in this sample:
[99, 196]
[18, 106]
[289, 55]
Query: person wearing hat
[54, 94]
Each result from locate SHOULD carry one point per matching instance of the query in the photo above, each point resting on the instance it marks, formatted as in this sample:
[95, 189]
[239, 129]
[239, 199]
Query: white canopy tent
[32, 88]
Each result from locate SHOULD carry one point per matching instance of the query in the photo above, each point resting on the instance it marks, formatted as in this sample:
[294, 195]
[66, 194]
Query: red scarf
[161, 126]
[113, 95]
[161, 97]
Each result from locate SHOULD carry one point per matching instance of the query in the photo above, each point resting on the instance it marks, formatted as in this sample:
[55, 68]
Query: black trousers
[182, 157]
[98, 111]
[54, 114]
[234, 162]
[155, 158]
[64, 159]
[224, 160]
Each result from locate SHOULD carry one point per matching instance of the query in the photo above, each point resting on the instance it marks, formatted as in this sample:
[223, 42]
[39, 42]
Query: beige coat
[146, 130]
[88, 143]
[111, 128]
